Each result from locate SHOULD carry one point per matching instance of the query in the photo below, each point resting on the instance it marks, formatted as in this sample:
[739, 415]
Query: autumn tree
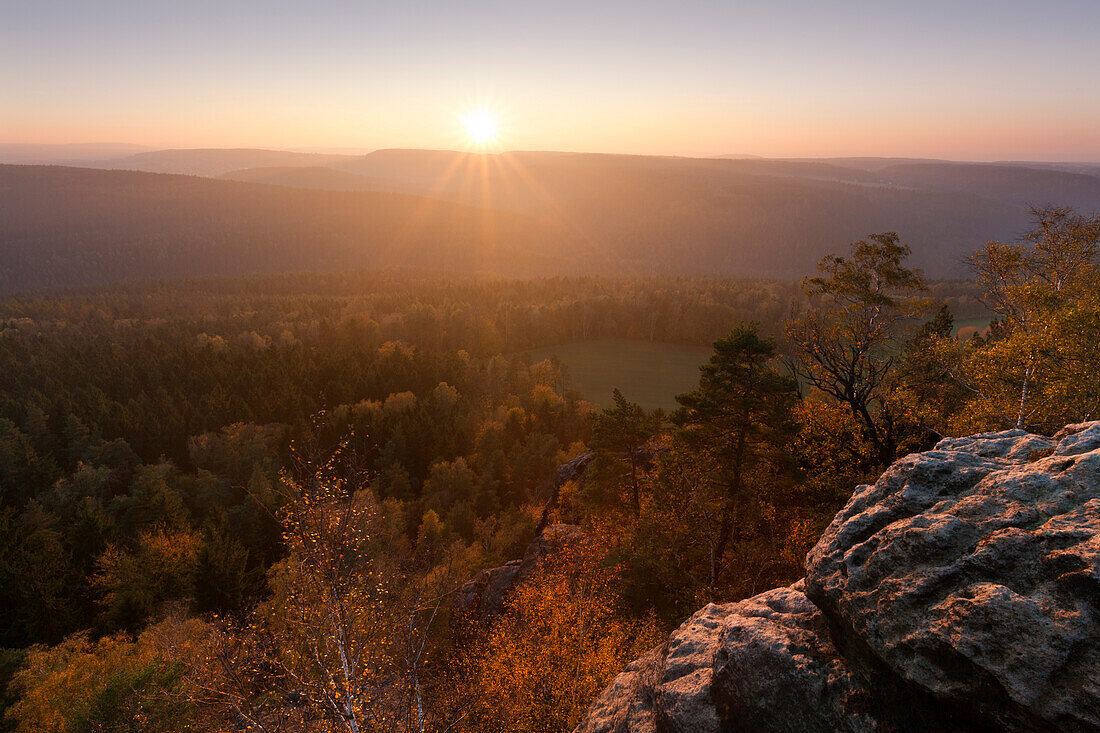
[326, 615]
[1037, 368]
[849, 344]
[114, 684]
[137, 583]
[345, 635]
[926, 395]
[546, 659]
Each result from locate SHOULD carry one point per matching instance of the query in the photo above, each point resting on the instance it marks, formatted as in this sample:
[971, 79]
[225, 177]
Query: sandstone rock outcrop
[572, 470]
[483, 597]
[960, 592]
[480, 599]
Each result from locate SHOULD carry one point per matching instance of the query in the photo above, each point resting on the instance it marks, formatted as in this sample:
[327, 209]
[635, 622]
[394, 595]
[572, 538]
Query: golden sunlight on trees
[294, 570]
[343, 642]
[862, 309]
[327, 611]
[561, 641]
[833, 454]
[114, 684]
[1037, 367]
[137, 583]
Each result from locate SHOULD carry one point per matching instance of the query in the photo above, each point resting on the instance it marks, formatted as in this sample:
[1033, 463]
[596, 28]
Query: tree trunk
[1023, 398]
[634, 482]
[719, 551]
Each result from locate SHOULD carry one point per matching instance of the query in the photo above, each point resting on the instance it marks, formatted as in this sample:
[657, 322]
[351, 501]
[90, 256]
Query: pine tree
[621, 433]
[737, 422]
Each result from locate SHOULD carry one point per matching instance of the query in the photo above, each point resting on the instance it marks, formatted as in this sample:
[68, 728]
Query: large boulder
[960, 592]
[764, 664]
[973, 572]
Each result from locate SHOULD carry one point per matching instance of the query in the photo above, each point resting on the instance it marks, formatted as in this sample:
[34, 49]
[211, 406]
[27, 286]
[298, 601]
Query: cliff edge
[960, 592]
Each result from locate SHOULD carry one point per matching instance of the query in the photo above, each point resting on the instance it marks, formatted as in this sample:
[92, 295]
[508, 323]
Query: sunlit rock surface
[959, 592]
[972, 572]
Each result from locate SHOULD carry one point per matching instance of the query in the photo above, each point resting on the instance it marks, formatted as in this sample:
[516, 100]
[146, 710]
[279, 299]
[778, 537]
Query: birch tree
[1037, 368]
[849, 344]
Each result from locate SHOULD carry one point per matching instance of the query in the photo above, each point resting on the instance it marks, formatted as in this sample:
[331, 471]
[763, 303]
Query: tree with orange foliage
[114, 684]
[137, 583]
[342, 643]
[848, 345]
[1036, 368]
[542, 663]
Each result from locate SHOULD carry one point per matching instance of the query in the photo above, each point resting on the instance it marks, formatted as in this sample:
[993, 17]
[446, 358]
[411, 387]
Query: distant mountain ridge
[63, 227]
[214, 161]
[313, 176]
[69, 153]
[522, 212]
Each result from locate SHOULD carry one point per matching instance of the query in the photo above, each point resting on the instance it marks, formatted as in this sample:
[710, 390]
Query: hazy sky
[969, 79]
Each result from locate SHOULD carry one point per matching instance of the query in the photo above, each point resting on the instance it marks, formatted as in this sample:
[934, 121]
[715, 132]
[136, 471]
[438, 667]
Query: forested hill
[510, 214]
[74, 226]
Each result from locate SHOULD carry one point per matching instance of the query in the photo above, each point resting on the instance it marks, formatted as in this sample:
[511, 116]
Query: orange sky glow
[976, 80]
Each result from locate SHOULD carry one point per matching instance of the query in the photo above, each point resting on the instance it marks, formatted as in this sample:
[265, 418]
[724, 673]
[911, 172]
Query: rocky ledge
[960, 592]
[483, 598]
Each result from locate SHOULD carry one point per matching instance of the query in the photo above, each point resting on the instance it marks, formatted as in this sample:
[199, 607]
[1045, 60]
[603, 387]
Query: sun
[482, 127]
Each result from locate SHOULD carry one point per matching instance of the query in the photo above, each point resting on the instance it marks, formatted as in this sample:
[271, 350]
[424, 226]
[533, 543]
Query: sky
[963, 80]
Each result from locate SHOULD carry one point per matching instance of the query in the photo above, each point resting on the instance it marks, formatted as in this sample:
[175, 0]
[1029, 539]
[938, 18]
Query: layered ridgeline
[76, 226]
[960, 592]
[516, 213]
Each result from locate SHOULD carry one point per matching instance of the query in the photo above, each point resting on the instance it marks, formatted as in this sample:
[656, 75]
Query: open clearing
[978, 323]
[649, 373]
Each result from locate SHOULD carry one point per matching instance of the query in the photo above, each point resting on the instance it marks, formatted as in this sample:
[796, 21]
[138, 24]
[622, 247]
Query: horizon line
[363, 152]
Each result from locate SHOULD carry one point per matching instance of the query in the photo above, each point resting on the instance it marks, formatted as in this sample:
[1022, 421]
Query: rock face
[483, 597]
[972, 571]
[764, 664]
[960, 592]
[568, 471]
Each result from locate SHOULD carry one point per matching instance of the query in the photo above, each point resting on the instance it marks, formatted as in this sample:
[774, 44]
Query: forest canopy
[256, 503]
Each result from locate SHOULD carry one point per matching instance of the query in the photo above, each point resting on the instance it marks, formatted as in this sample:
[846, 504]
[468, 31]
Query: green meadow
[649, 373]
[979, 322]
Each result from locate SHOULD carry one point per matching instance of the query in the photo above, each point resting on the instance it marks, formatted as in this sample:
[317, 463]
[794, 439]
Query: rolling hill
[746, 215]
[65, 154]
[750, 217]
[213, 161]
[1020, 185]
[313, 176]
[76, 226]
[514, 213]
